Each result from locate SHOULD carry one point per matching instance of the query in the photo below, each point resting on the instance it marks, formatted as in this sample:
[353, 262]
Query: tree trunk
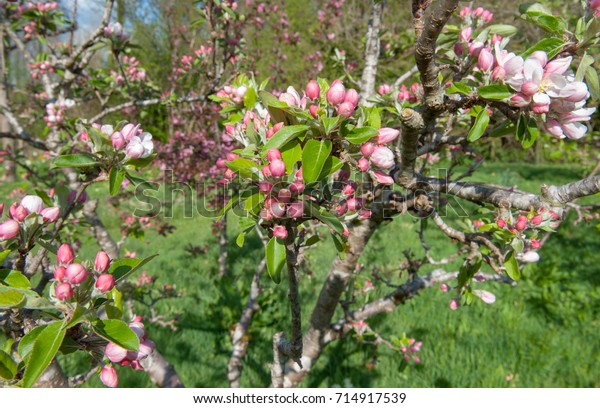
[223, 246]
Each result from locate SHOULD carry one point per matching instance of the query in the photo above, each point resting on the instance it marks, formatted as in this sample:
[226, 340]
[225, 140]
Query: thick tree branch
[413, 124]
[367, 82]
[427, 35]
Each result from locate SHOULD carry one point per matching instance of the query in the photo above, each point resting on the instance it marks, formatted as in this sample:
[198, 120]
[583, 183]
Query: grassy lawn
[542, 333]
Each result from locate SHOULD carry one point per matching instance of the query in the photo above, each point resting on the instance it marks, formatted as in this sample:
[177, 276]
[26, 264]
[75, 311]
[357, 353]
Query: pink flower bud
[118, 141]
[363, 164]
[297, 187]
[32, 203]
[475, 48]
[9, 229]
[498, 73]
[367, 149]
[277, 209]
[277, 168]
[535, 244]
[109, 377]
[541, 56]
[105, 282]
[345, 109]
[50, 214]
[138, 328]
[76, 273]
[383, 158]
[354, 204]
[485, 61]
[134, 150]
[101, 262]
[273, 154]
[336, 93]
[64, 291]
[1, 209]
[458, 50]
[129, 130]
[453, 304]
[313, 90]
[284, 195]
[537, 220]
[558, 66]
[465, 34]
[266, 214]
[264, 187]
[349, 189]
[464, 12]
[352, 97]
[478, 12]
[231, 156]
[531, 256]
[485, 296]
[280, 232]
[296, 209]
[266, 171]
[341, 209]
[501, 223]
[313, 109]
[17, 212]
[365, 214]
[65, 255]
[221, 164]
[521, 223]
[384, 89]
[383, 178]
[59, 273]
[115, 353]
[386, 135]
[229, 174]
[444, 287]
[298, 175]
[541, 108]
[487, 16]
[519, 100]
[146, 348]
[288, 98]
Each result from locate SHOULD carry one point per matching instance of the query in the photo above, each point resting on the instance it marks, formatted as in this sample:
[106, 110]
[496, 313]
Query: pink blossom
[383, 178]
[9, 229]
[280, 232]
[383, 157]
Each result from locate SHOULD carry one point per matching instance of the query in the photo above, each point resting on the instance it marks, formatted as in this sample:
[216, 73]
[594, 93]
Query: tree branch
[367, 82]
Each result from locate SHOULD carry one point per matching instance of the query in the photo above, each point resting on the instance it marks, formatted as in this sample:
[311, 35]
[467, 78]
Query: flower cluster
[546, 86]
[234, 94]
[595, 6]
[68, 274]
[116, 33]
[136, 143]
[133, 74]
[118, 355]
[29, 206]
[410, 348]
[55, 111]
[379, 155]
[40, 68]
[478, 15]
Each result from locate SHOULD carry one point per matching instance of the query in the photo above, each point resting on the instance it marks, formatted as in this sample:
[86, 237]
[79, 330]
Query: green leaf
[118, 332]
[115, 178]
[243, 167]
[330, 124]
[550, 46]
[79, 315]
[14, 279]
[495, 92]
[505, 30]
[8, 368]
[585, 63]
[527, 131]
[276, 257]
[240, 239]
[283, 136]
[541, 16]
[316, 212]
[312, 240]
[275, 107]
[10, 298]
[481, 122]
[3, 255]
[291, 153]
[314, 155]
[332, 164]
[591, 78]
[75, 160]
[512, 266]
[142, 161]
[122, 268]
[27, 342]
[374, 117]
[361, 135]
[250, 99]
[44, 349]
[459, 87]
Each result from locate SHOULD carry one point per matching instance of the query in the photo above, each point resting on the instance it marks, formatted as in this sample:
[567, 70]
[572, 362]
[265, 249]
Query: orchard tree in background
[336, 160]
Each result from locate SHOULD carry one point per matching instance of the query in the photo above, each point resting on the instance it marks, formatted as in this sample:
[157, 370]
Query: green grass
[542, 333]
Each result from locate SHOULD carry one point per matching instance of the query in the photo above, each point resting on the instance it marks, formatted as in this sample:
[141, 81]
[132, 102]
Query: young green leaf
[314, 156]
[75, 160]
[8, 368]
[361, 135]
[495, 92]
[117, 332]
[481, 123]
[14, 279]
[44, 349]
[124, 267]
[115, 178]
[512, 266]
[283, 136]
[276, 258]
